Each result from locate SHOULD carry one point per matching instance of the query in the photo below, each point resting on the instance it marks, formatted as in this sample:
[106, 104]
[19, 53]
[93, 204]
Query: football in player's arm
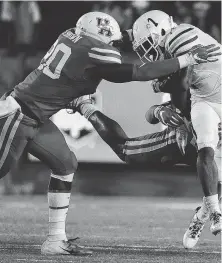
[164, 114]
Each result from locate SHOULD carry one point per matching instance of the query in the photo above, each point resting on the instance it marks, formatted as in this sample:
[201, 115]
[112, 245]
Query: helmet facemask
[148, 48]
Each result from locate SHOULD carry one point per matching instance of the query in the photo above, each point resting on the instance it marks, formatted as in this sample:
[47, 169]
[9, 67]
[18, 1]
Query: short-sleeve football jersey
[61, 75]
[204, 79]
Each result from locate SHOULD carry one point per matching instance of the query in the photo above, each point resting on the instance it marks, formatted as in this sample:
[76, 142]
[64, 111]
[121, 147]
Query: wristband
[186, 60]
[87, 109]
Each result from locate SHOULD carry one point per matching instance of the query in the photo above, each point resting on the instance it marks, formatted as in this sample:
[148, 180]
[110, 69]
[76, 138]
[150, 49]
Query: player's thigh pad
[216, 107]
[205, 122]
[50, 147]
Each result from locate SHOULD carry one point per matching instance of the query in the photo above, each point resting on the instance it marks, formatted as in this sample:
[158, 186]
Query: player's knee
[204, 145]
[62, 181]
[71, 164]
[209, 140]
[207, 136]
[66, 165]
[74, 162]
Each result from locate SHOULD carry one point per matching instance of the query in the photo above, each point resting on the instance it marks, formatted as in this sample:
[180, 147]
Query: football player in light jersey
[74, 66]
[174, 145]
[156, 36]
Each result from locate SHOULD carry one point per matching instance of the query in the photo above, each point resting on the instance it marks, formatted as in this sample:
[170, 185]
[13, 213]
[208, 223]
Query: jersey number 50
[54, 60]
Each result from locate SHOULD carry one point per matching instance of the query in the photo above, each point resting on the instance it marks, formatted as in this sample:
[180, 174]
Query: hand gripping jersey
[204, 79]
[61, 75]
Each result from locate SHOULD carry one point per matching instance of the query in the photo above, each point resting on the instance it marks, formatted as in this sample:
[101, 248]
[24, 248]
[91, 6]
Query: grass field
[117, 229]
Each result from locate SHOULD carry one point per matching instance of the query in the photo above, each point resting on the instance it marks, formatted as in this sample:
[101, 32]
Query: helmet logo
[104, 27]
[151, 20]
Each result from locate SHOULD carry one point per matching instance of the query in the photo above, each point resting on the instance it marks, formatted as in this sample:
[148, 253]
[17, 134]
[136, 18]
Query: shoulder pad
[181, 40]
[104, 53]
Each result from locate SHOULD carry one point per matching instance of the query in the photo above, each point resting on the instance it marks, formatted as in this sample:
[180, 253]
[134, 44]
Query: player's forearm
[181, 100]
[109, 130]
[157, 69]
[121, 73]
[177, 82]
[117, 73]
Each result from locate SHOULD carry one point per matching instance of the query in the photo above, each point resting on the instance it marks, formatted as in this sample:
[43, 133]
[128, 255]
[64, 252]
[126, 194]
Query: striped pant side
[9, 153]
[151, 148]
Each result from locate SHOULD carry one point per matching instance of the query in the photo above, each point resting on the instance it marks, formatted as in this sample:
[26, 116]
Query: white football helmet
[149, 32]
[100, 26]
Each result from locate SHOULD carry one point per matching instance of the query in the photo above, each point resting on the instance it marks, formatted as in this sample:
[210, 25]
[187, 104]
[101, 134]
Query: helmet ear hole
[163, 32]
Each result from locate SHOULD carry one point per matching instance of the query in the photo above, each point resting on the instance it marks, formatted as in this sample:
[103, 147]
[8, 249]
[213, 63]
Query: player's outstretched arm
[157, 69]
[120, 73]
[109, 130]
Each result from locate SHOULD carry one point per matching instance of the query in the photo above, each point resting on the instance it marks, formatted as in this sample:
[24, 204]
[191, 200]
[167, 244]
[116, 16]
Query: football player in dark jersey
[74, 66]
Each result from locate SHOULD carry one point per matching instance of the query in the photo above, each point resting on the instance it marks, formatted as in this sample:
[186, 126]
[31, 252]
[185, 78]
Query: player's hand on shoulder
[202, 54]
[168, 117]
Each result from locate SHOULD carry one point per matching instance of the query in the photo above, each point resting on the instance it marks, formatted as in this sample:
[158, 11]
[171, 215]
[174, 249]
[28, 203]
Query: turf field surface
[117, 229]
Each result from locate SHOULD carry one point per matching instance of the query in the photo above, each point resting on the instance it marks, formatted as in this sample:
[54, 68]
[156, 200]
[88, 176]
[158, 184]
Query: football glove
[202, 54]
[168, 117]
[75, 104]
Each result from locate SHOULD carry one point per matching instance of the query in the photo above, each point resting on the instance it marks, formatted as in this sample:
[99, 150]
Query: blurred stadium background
[28, 29]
